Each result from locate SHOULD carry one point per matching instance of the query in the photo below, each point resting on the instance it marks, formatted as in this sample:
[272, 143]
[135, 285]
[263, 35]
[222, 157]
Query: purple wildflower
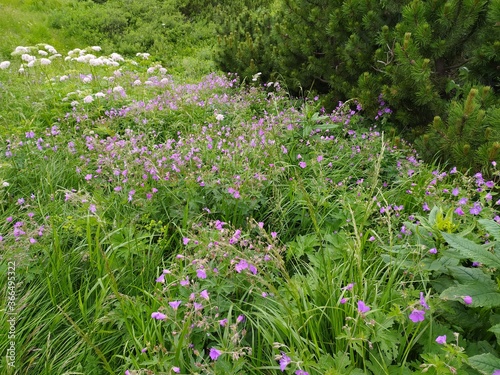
[417, 316]
[362, 307]
[422, 301]
[214, 354]
[467, 300]
[223, 322]
[200, 272]
[158, 315]
[204, 295]
[284, 361]
[476, 209]
[197, 306]
[175, 304]
[441, 340]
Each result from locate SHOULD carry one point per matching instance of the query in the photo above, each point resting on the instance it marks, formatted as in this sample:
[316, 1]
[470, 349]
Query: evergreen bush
[410, 51]
[469, 138]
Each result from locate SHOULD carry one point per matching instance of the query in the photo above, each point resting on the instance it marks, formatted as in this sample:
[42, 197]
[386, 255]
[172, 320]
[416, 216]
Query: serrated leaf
[472, 250]
[496, 330]
[467, 275]
[485, 363]
[492, 227]
[483, 295]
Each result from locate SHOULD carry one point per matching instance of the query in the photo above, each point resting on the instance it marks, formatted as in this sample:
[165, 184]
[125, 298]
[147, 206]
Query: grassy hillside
[159, 223]
[27, 22]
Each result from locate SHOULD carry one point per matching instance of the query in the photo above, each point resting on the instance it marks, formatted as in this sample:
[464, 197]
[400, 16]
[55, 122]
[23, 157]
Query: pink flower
[242, 265]
[185, 240]
[158, 316]
[441, 340]
[284, 361]
[214, 354]
[476, 209]
[175, 304]
[467, 300]
[362, 307]
[302, 164]
[176, 369]
[433, 251]
[422, 301]
[252, 269]
[161, 279]
[204, 295]
[417, 316]
[201, 273]
[197, 306]
[240, 318]
[348, 286]
[223, 322]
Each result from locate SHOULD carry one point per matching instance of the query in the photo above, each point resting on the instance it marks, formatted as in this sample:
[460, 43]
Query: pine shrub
[409, 51]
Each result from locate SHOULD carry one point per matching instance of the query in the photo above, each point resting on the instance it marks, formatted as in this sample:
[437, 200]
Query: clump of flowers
[197, 293]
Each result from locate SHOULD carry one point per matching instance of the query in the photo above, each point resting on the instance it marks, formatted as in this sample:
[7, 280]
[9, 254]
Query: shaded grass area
[27, 22]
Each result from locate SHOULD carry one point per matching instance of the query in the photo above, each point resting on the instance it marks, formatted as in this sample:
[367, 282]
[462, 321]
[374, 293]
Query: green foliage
[409, 51]
[29, 22]
[469, 137]
[163, 28]
[485, 363]
[142, 211]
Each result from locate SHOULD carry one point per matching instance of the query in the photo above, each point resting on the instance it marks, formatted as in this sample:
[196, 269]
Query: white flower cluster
[84, 56]
[160, 68]
[86, 99]
[145, 56]
[29, 56]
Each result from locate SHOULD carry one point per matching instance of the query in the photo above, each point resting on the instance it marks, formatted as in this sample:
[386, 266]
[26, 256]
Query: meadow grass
[160, 225]
[28, 22]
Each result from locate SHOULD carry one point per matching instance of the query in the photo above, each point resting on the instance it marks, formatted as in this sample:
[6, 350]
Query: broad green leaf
[468, 275]
[472, 250]
[433, 214]
[491, 227]
[483, 295]
[495, 329]
[485, 363]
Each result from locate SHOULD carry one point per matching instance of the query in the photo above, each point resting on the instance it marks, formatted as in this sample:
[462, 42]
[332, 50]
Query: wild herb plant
[162, 226]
